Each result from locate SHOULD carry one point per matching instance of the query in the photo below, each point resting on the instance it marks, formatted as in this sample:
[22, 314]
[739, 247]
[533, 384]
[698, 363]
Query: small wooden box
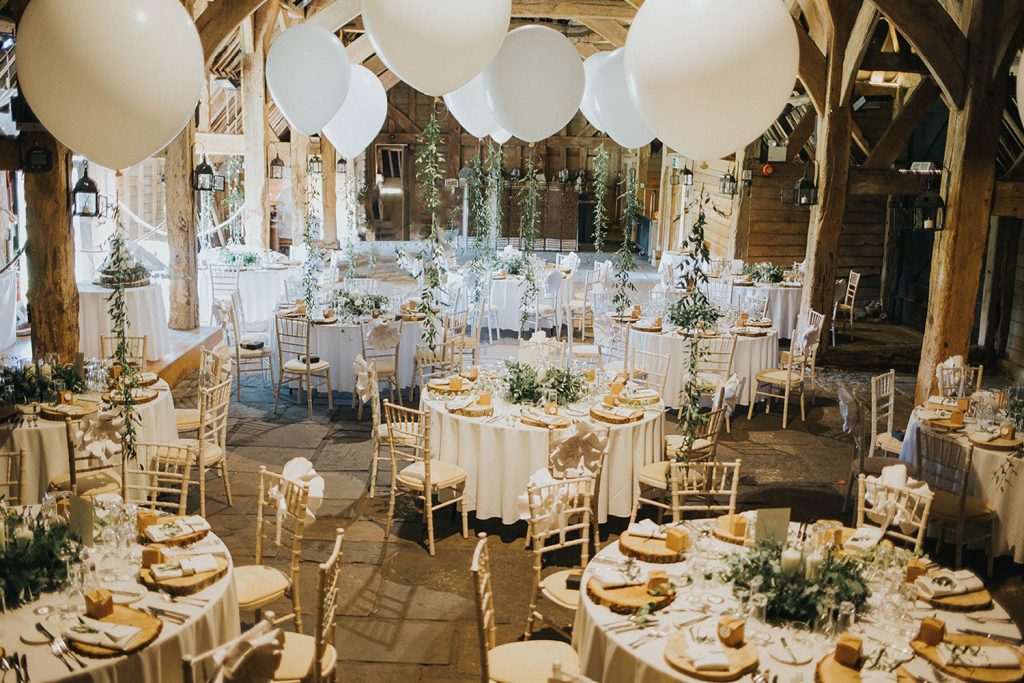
[1007, 431]
[932, 631]
[484, 399]
[731, 631]
[657, 582]
[147, 518]
[677, 540]
[916, 567]
[99, 603]
[153, 554]
[738, 526]
[455, 383]
[848, 650]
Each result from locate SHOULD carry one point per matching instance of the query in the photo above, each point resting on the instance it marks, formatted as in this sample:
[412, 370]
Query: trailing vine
[235, 197]
[529, 221]
[122, 263]
[476, 201]
[624, 261]
[311, 237]
[495, 192]
[600, 194]
[429, 174]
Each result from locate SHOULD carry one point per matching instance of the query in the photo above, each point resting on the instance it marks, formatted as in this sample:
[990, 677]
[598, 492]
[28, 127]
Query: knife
[994, 636]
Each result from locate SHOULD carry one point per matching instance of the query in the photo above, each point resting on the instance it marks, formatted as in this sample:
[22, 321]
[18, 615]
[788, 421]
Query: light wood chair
[313, 658]
[247, 361]
[720, 292]
[12, 476]
[781, 383]
[579, 311]
[160, 477]
[384, 360]
[282, 526]
[754, 305]
[649, 369]
[809, 350]
[546, 303]
[707, 488]
[883, 408]
[293, 340]
[203, 667]
[912, 506]
[519, 662]
[379, 440]
[210, 447]
[442, 361]
[559, 519]
[409, 442]
[945, 465]
[87, 475]
[844, 307]
[214, 368]
[223, 281]
[247, 332]
[714, 365]
[136, 349]
[960, 380]
[559, 676]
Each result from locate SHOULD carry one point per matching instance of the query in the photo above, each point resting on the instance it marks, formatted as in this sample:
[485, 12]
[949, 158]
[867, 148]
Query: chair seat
[579, 305]
[255, 338]
[442, 475]
[778, 376]
[655, 474]
[553, 588]
[90, 484]
[258, 585]
[530, 661]
[296, 365]
[873, 466]
[616, 366]
[586, 351]
[297, 658]
[186, 419]
[843, 308]
[945, 506]
[212, 453]
[888, 443]
[252, 354]
[674, 444]
[546, 309]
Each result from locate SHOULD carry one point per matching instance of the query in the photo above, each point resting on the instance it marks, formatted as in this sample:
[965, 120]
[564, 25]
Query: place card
[772, 524]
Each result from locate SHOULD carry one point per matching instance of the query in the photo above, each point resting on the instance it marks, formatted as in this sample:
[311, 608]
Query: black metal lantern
[276, 168]
[85, 197]
[342, 165]
[929, 211]
[727, 185]
[315, 166]
[805, 192]
[203, 177]
[687, 177]
[38, 160]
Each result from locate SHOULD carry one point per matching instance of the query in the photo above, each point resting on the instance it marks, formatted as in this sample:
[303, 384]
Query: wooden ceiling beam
[860, 41]
[609, 29]
[884, 182]
[900, 62]
[894, 140]
[587, 49]
[219, 21]
[332, 16]
[403, 121]
[801, 134]
[818, 22]
[811, 71]
[574, 9]
[389, 80]
[938, 40]
[360, 49]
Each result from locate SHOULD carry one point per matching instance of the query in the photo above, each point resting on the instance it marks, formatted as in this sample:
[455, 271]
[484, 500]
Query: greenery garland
[429, 174]
[235, 197]
[495, 193]
[128, 381]
[31, 560]
[32, 384]
[529, 222]
[524, 384]
[600, 194]
[311, 237]
[624, 262]
[764, 273]
[476, 204]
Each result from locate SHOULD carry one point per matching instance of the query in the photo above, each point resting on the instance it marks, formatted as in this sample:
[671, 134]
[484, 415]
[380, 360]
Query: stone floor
[407, 616]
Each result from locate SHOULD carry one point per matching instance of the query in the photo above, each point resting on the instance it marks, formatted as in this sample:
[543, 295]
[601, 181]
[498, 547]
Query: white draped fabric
[45, 445]
[147, 317]
[8, 308]
[209, 626]
[500, 456]
[783, 304]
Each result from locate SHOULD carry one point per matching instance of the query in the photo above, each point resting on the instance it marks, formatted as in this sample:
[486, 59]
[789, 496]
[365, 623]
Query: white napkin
[608, 578]
[176, 528]
[982, 657]
[885, 507]
[93, 632]
[705, 649]
[627, 413]
[207, 546]
[646, 528]
[984, 437]
[863, 540]
[877, 676]
[185, 566]
[927, 414]
[732, 392]
[252, 657]
[959, 582]
[460, 404]
[944, 401]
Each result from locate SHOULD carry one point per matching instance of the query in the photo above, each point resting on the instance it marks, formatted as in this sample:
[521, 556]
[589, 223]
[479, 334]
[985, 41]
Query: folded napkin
[207, 546]
[608, 578]
[980, 657]
[252, 657]
[983, 437]
[460, 404]
[176, 528]
[646, 528]
[705, 649]
[185, 566]
[927, 414]
[627, 413]
[101, 634]
[863, 540]
[944, 401]
[947, 582]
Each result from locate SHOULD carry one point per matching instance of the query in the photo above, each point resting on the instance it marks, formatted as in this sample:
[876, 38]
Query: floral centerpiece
[525, 384]
[799, 594]
[692, 313]
[764, 273]
[355, 305]
[37, 383]
[31, 560]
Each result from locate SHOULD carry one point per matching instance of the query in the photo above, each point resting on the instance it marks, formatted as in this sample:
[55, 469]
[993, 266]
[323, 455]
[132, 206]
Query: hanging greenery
[235, 196]
[430, 175]
[311, 237]
[529, 222]
[495, 194]
[622, 301]
[476, 202]
[600, 195]
[123, 263]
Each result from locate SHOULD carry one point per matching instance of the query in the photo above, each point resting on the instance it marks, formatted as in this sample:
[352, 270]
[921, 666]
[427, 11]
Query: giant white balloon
[501, 136]
[615, 108]
[114, 80]
[308, 76]
[362, 115]
[587, 106]
[436, 46]
[535, 83]
[709, 76]
[469, 106]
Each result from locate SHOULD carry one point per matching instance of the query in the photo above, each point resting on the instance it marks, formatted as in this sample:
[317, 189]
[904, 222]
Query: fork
[60, 655]
[62, 645]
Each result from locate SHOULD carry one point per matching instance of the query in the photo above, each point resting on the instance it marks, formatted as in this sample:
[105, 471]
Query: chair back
[543, 349]
[377, 340]
[815, 319]
[615, 347]
[293, 289]
[135, 347]
[408, 437]
[710, 431]
[560, 515]
[716, 356]
[328, 583]
[705, 487]
[551, 284]
[84, 462]
[223, 280]
[902, 513]
[280, 520]
[455, 324]
[650, 369]
[851, 289]
[292, 339]
[959, 380]
[214, 365]
[374, 393]
[720, 292]
[942, 463]
[883, 401]
[363, 285]
[214, 405]
[850, 409]
[206, 666]
[483, 591]
[12, 476]
[159, 478]
[754, 305]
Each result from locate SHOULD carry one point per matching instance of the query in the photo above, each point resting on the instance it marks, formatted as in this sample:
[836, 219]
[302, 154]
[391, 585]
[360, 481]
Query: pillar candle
[790, 561]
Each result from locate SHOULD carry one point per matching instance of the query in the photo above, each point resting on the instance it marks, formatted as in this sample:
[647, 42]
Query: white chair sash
[100, 435]
[731, 393]
[252, 657]
[384, 336]
[364, 382]
[577, 453]
[300, 471]
[887, 509]
[951, 362]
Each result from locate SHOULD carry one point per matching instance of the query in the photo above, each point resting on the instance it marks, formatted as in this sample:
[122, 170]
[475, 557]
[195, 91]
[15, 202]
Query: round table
[339, 344]
[783, 304]
[753, 354]
[8, 308]
[208, 627]
[260, 288]
[500, 455]
[507, 298]
[608, 656]
[1002, 495]
[45, 445]
[146, 317]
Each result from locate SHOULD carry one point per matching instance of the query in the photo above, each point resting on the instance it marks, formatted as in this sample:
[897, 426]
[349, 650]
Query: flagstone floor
[406, 616]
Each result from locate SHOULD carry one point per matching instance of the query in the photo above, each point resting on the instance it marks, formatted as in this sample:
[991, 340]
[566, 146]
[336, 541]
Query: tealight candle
[590, 374]
[551, 409]
[790, 561]
[611, 399]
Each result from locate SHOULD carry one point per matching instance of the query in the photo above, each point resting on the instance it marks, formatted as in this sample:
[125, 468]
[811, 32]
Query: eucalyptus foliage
[429, 174]
[128, 381]
[31, 560]
[600, 195]
[625, 264]
[529, 222]
[495, 192]
[764, 273]
[525, 384]
[311, 237]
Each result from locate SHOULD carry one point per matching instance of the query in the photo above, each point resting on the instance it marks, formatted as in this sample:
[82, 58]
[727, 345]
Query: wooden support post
[739, 229]
[182, 240]
[50, 248]
[299, 173]
[329, 157]
[255, 214]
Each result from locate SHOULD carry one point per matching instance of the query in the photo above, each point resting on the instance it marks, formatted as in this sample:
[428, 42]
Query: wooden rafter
[403, 121]
[333, 15]
[860, 41]
[801, 134]
[609, 29]
[360, 49]
[574, 9]
[219, 22]
[812, 68]
[894, 139]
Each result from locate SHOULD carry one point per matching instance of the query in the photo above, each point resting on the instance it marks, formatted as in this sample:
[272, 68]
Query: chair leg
[428, 512]
[803, 411]
[202, 490]
[990, 560]
[465, 514]
[849, 492]
[528, 633]
[280, 384]
[785, 409]
[227, 479]
[238, 381]
[309, 394]
[374, 464]
[391, 511]
[750, 408]
[330, 392]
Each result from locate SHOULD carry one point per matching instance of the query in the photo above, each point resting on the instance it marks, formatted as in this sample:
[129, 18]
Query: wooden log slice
[654, 329]
[829, 670]
[446, 388]
[651, 550]
[562, 422]
[628, 599]
[742, 660]
[943, 425]
[997, 444]
[965, 602]
[150, 625]
[598, 412]
[180, 541]
[767, 322]
[185, 585]
[474, 411]
[142, 395]
[76, 410]
[720, 530]
[980, 675]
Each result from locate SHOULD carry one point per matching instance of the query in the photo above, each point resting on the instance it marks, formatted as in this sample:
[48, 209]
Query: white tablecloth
[261, 289]
[8, 308]
[783, 305]
[608, 657]
[146, 317]
[753, 354]
[210, 626]
[507, 296]
[46, 450]
[339, 345]
[499, 458]
[670, 260]
[1005, 497]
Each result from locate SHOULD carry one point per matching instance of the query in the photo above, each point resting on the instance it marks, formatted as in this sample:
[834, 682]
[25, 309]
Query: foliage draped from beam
[312, 238]
[624, 261]
[429, 174]
[600, 194]
[529, 221]
[128, 381]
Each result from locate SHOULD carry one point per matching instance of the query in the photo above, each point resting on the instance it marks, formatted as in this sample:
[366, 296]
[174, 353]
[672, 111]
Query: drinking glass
[759, 614]
[845, 617]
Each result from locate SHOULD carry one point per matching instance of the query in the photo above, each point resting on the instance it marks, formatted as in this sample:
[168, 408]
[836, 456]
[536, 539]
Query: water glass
[845, 617]
[759, 607]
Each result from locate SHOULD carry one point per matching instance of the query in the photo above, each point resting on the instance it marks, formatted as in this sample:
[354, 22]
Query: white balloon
[362, 115]
[114, 80]
[308, 76]
[500, 135]
[436, 46]
[469, 106]
[615, 108]
[535, 83]
[587, 106]
[709, 76]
